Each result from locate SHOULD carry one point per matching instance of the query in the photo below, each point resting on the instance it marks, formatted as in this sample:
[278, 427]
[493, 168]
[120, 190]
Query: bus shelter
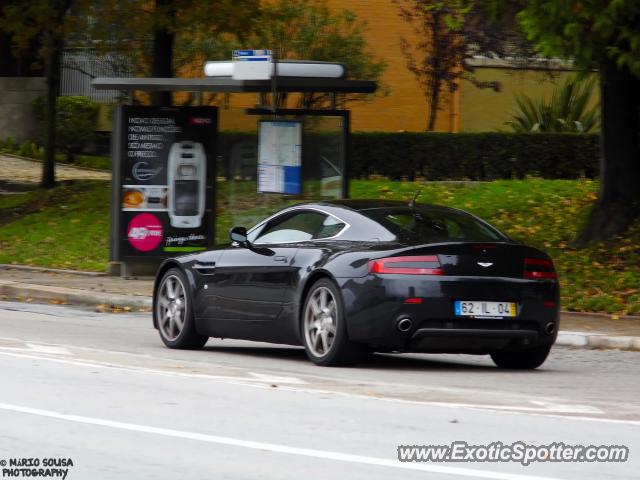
[182, 176]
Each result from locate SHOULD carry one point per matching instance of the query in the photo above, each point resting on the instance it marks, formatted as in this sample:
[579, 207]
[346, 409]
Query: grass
[89, 161]
[68, 227]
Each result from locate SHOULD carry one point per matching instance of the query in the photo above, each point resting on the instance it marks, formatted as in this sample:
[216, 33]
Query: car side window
[300, 226]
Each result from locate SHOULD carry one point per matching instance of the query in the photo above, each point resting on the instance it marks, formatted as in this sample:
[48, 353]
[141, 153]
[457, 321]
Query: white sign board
[280, 157]
[252, 65]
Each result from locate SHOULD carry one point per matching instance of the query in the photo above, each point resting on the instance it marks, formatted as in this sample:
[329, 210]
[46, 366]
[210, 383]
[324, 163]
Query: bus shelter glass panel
[322, 171]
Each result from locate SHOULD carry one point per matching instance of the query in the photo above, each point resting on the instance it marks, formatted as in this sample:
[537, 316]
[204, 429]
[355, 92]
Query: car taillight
[539, 269]
[414, 265]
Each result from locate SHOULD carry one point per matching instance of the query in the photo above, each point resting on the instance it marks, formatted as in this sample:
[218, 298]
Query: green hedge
[76, 118]
[474, 156]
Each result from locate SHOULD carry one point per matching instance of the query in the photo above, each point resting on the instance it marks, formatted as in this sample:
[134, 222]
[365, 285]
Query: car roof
[365, 204]
[361, 213]
[371, 204]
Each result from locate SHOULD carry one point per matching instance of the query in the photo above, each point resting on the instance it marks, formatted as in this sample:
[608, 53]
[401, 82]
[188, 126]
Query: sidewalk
[28, 170]
[109, 293]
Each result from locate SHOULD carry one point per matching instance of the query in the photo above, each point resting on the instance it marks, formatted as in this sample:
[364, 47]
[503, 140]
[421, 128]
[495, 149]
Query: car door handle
[280, 258]
[205, 269]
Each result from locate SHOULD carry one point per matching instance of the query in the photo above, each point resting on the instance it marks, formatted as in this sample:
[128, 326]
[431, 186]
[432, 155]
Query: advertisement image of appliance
[186, 171]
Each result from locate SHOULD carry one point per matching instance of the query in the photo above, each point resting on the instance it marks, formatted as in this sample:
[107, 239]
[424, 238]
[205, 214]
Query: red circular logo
[144, 232]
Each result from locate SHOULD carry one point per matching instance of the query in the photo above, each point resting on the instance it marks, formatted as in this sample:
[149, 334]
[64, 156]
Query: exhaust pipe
[404, 324]
[550, 328]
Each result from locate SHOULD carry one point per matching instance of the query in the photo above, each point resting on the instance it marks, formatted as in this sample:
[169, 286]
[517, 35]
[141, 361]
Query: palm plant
[566, 111]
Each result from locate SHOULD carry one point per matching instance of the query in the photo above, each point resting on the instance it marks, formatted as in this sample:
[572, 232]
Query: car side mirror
[239, 235]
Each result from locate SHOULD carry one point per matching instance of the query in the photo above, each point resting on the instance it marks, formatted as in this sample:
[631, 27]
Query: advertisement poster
[167, 178]
[279, 157]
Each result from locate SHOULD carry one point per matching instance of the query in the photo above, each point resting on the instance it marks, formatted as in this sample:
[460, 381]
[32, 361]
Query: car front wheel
[521, 359]
[174, 312]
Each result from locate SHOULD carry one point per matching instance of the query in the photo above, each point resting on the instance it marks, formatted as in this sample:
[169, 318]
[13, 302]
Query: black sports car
[348, 277]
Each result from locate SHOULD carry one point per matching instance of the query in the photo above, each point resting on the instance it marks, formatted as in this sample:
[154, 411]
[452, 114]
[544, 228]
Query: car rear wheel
[521, 359]
[324, 332]
[174, 313]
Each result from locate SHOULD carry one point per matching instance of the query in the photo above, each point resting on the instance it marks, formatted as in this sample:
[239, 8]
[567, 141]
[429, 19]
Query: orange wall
[406, 107]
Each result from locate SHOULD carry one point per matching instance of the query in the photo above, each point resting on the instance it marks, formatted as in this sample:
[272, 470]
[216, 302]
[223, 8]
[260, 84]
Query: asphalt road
[102, 390]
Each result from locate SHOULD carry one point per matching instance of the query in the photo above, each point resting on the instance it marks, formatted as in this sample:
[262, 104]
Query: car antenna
[412, 203]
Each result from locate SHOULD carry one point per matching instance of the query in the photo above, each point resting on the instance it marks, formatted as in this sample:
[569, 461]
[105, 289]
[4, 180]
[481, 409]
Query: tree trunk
[52, 69]
[436, 74]
[433, 107]
[163, 37]
[619, 200]
[53, 46]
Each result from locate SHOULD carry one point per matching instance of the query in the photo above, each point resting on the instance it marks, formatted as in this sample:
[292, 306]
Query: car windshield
[434, 225]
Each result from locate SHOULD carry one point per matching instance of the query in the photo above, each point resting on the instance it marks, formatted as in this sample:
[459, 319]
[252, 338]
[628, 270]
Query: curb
[30, 268]
[62, 295]
[599, 341]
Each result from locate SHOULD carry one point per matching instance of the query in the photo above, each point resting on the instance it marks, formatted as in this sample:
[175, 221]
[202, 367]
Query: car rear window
[433, 226]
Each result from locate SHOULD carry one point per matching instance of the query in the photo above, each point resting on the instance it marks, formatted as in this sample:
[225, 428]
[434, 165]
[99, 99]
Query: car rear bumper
[478, 333]
[464, 340]
[374, 314]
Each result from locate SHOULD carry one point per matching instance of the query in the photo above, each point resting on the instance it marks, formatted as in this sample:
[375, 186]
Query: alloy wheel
[320, 321]
[171, 307]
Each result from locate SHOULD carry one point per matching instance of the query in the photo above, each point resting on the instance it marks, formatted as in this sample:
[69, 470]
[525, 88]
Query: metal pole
[274, 83]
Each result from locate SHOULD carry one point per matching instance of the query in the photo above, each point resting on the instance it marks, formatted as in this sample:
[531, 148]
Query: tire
[324, 330]
[521, 359]
[172, 306]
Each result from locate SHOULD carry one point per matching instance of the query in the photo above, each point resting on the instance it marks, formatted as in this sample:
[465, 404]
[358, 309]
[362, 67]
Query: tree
[164, 37]
[566, 111]
[163, 44]
[307, 29]
[605, 36]
[18, 63]
[293, 29]
[47, 22]
[448, 33]
[189, 32]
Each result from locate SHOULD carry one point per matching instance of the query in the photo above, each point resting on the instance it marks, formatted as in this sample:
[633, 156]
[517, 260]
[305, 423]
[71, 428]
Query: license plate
[485, 309]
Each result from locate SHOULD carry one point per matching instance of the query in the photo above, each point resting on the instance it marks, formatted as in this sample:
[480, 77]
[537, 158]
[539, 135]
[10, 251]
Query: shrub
[566, 111]
[75, 123]
[8, 145]
[30, 149]
[474, 156]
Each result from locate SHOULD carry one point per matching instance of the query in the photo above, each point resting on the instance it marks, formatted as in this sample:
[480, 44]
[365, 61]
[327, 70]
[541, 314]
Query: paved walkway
[116, 293]
[24, 171]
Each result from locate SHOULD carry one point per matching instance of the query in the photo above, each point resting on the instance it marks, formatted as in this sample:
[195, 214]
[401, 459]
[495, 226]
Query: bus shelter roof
[230, 85]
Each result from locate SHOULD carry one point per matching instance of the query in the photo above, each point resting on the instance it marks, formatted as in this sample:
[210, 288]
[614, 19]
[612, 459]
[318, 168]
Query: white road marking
[261, 383]
[262, 377]
[35, 348]
[50, 349]
[548, 408]
[146, 371]
[543, 405]
[566, 408]
[272, 447]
